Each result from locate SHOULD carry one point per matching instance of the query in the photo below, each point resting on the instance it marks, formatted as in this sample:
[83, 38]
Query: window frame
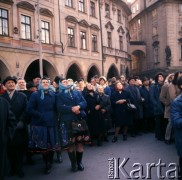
[46, 30]
[121, 43]
[109, 39]
[29, 25]
[71, 37]
[92, 9]
[107, 10]
[119, 15]
[81, 5]
[83, 41]
[69, 3]
[94, 43]
[7, 22]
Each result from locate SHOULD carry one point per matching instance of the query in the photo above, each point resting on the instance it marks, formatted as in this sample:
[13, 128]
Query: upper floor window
[69, 3]
[83, 40]
[119, 16]
[94, 43]
[120, 43]
[181, 51]
[180, 8]
[81, 6]
[92, 8]
[109, 40]
[156, 54]
[25, 27]
[71, 41]
[107, 10]
[154, 13]
[3, 22]
[45, 32]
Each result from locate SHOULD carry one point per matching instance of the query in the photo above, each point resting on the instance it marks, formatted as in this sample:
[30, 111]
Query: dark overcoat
[176, 119]
[7, 124]
[146, 103]
[122, 117]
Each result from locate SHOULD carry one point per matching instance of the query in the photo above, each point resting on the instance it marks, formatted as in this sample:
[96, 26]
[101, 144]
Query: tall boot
[47, 163]
[72, 157]
[59, 157]
[79, 160]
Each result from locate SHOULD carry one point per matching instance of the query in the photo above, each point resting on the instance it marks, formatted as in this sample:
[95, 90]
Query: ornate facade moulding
[46, 12]
[155, 43]
[71, 19]
[95, 27]
[120, 29]
[7, 1]
[26, 5]
[83, 23]
[109, 24]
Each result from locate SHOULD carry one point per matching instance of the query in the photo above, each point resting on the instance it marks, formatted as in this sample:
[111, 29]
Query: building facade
[156, 38]
[59, 37]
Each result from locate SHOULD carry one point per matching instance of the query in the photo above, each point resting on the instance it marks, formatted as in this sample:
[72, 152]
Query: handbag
[131, 107]
[79, 126]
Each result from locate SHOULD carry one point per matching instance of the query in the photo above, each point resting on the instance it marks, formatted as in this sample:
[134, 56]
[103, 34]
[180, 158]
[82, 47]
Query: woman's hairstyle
[175, 79]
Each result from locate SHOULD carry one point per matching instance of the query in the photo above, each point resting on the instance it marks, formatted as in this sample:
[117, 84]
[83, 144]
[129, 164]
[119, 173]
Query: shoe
[133, 135]
[72, 157]
[114, 139]
[160, 139]
[99, 143]
[59, 158]
[124, 137]
[106, 139]
[167, 142]
[80, 167]
[47, 169]
[20, 174]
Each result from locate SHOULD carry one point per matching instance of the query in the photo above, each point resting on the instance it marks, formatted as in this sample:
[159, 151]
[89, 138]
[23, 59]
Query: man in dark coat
[7, 124]
[157, 106]
[18, 103]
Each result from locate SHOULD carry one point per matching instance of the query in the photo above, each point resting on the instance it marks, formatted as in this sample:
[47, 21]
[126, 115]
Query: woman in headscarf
[71, 105]
[42, 108]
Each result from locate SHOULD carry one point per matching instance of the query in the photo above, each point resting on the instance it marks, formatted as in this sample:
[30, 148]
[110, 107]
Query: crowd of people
[37, 116]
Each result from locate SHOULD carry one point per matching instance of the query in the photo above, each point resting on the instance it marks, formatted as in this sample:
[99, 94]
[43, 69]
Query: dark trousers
[160, 127]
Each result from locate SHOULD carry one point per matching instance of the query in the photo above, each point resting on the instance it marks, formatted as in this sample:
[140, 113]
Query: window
[81, 6]
[92, 8]
[83, 40]
[69, 3]
[71, 41]
[94, 43]
[45, 32]
[156, 54]
[109, 39]
[3, 22]
[107, 10]
[180, 8]
[154, 13]
[25, 27]
[119, 16]
[181, 51]
[154, 31]
[139, 23]
[120, 42]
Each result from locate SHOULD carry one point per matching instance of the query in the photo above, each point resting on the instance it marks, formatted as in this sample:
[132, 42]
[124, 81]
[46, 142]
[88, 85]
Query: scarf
[43, 90]
[63, 88]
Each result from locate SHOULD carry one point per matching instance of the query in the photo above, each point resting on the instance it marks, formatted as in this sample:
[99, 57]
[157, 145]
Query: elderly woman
[71, 105]
[122, 117]
[42, 108]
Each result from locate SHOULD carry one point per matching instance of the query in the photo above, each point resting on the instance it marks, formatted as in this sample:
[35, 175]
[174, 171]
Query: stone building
[63, 37]
[156, 36]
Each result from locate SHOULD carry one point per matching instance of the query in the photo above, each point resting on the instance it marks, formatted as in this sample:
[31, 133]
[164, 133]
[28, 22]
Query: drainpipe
[102, 53]
[60, 26]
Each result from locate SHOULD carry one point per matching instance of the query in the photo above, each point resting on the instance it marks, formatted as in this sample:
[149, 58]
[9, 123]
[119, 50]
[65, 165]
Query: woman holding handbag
[71, 105]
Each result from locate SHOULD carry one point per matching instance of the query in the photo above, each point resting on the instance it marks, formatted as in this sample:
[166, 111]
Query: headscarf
[63, 88]
[42, 90]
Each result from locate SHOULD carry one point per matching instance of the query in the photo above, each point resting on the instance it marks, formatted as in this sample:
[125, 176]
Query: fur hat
[30, 85]
[130, 78]
[8, 78]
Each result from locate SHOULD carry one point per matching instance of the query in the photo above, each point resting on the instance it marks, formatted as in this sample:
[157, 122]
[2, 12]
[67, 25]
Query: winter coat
[157, 106]
[42, 111]
[146, 103]
[120, 113]
[165, 99]
[176, 119]
[8, 125]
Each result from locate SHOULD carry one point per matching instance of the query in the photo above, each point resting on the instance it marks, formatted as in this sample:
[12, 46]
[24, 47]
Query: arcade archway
[113, 72]
[92, 72]
[4, 71]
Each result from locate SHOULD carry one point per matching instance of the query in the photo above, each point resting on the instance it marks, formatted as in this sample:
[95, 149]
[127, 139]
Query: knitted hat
[8, 78]
[102, 77]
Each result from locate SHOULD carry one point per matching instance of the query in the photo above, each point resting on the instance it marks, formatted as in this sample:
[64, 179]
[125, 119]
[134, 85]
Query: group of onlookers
[40, 115]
